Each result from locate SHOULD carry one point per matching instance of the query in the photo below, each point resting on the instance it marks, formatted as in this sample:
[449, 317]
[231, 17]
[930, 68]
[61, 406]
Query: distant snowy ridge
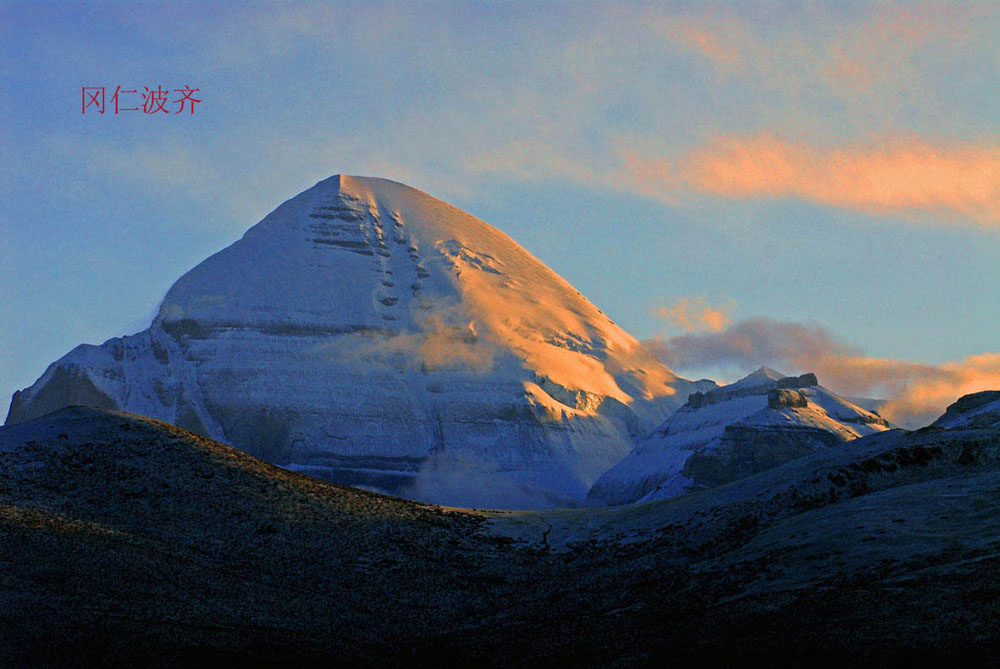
[754, 424]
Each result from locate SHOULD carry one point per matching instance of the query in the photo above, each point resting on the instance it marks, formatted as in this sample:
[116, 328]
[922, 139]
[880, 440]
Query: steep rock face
[722, 435]
[744, 450]
[978, 410]
[373, 335]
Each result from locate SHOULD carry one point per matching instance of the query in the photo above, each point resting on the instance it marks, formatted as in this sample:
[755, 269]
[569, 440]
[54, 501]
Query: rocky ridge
[719, 436]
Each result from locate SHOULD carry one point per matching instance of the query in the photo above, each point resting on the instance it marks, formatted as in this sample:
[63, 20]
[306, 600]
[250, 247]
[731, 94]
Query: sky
[812, 186]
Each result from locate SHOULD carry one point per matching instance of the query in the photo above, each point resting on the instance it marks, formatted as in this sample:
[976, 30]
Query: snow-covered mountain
[371, 334]
[722, 435]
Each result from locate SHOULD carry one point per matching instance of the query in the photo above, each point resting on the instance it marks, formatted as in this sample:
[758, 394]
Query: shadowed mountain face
[124, 540]
[980, 410]
[371, 334]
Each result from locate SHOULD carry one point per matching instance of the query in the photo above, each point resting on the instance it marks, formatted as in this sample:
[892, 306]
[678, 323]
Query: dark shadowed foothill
[126, 541]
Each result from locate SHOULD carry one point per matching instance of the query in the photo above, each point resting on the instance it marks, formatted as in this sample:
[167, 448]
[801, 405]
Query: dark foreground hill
[126, 541]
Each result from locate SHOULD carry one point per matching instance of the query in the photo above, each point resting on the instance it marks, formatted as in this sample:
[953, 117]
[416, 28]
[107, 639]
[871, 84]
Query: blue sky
[832, 164]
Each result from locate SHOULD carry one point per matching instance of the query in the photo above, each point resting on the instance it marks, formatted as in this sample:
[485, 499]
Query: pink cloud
[893, 176]
[694, 315]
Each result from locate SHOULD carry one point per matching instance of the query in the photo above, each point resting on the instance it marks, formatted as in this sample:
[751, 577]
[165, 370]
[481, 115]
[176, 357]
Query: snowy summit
[371, 334]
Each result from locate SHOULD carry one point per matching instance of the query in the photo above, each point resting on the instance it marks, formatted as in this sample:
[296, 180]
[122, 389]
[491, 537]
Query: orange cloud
[923, 391]
[972, 374]
[694, 314]
[894, 176]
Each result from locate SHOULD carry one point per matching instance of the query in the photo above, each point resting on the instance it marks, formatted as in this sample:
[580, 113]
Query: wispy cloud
[909, 177]
[441, 343]
[894, 175]
[918, 392]
[875, 50]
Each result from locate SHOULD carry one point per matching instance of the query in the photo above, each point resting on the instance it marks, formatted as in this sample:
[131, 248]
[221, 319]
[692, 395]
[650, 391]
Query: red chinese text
[150, 101]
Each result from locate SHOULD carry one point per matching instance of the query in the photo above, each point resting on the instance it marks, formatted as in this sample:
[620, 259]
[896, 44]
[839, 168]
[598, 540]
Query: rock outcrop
[782, 398]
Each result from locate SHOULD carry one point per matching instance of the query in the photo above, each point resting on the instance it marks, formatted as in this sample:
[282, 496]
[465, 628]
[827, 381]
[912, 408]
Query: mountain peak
[759, 376]
[365, 188]
[768, 373]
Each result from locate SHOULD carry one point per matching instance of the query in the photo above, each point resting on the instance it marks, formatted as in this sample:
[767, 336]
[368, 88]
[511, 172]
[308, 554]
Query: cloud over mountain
[918, 392]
